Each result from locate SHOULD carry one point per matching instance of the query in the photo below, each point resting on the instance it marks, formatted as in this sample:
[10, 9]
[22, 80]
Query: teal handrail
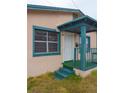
[91, 55]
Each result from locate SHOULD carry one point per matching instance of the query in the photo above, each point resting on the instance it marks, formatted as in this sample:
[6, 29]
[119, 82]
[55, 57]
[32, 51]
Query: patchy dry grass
[74, 84]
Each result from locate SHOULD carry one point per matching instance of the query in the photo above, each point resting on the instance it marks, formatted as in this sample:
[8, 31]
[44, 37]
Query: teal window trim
[46, 53]
[88, 49]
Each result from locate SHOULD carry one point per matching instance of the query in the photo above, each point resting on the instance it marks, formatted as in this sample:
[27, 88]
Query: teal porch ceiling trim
[78, 19]
[89, 22]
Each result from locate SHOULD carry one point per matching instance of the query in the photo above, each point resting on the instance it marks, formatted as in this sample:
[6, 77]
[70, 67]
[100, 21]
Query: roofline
[78, 22]
[51, 8]
[86, 16]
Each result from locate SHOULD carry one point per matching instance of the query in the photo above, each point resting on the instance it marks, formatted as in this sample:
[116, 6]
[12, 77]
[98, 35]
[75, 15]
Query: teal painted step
[66, 66]
[67, 70]
[63, 73]
[58, 77]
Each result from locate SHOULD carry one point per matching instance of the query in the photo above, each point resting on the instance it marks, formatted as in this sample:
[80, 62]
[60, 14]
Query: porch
[91, 60]
[84, 58]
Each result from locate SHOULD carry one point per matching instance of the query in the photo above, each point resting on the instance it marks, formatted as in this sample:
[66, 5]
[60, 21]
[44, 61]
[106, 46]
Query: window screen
[40, 35]
[52, 47]
[45, 42]
[40, 47]
[52, 36]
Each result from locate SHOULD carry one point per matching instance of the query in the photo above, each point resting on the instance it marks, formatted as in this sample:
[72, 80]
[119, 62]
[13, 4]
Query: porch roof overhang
[74, 25]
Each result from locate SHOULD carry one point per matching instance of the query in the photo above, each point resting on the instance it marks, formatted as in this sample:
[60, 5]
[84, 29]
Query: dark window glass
[40, 35]
[40, 47]
[52, 36]
[42, 38]
[52, 47]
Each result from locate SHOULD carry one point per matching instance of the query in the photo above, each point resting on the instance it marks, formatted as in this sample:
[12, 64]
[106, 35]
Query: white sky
[88, 7]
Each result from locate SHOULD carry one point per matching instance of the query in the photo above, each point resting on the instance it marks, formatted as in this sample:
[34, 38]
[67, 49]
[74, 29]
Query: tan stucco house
[59, 37]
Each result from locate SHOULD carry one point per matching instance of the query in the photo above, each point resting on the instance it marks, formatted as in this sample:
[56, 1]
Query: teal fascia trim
[77, 19]
[72, 21]
[71, 27]
[92, 31]
[50, 8]
[49, 53]
[78, 22]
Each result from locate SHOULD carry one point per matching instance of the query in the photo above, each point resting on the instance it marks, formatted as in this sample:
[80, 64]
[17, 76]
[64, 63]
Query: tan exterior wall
[93, 39]
[42, 64]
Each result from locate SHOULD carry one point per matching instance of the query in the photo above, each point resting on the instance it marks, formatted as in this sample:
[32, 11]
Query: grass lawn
[74, 84]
